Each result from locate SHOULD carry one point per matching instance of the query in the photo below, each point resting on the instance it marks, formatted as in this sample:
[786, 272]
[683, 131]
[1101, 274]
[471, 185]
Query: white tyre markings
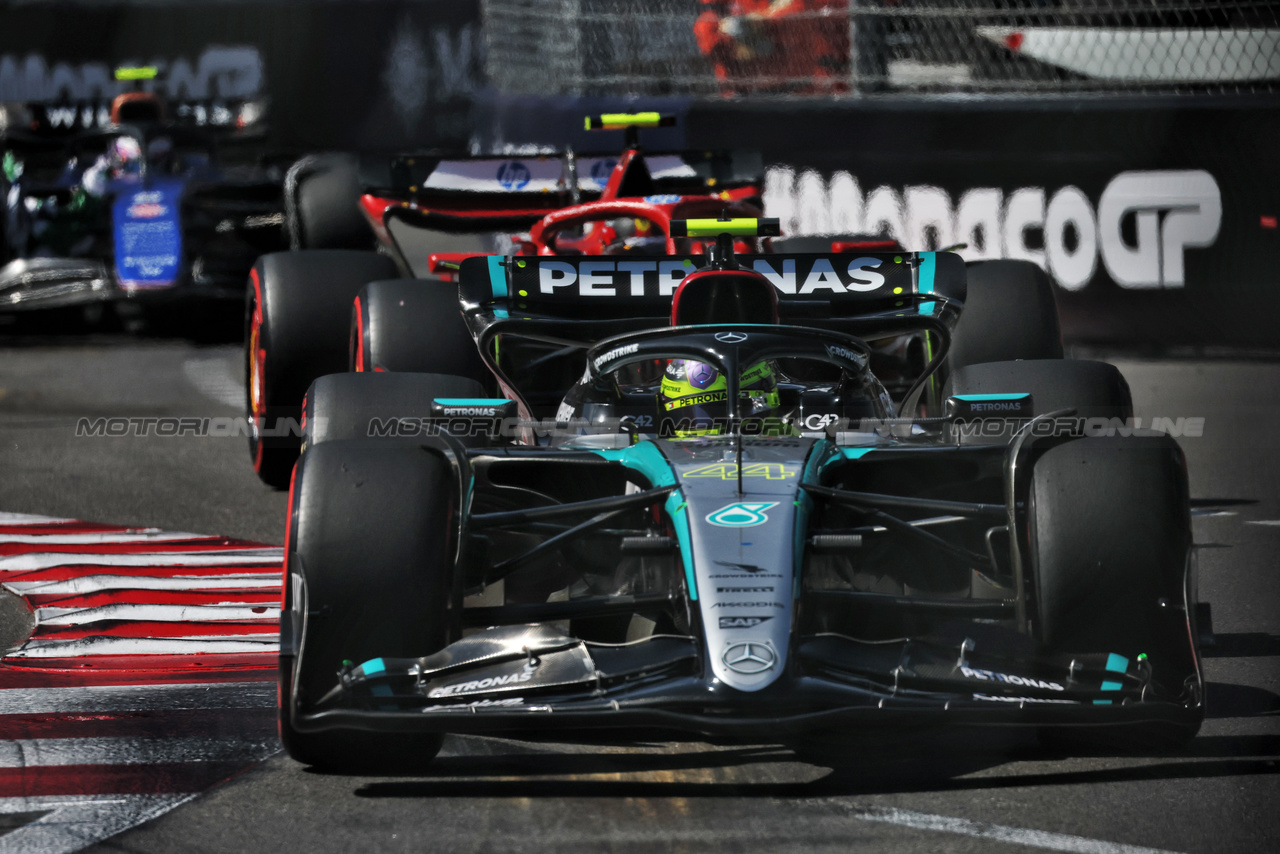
[1001, 833]
[82, 823]
[137, 698]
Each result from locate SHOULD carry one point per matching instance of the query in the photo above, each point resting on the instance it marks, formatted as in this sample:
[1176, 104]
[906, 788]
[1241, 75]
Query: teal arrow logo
[742, 515]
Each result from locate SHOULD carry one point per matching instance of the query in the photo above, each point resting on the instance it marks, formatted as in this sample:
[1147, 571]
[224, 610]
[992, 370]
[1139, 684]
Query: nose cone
[741, 548]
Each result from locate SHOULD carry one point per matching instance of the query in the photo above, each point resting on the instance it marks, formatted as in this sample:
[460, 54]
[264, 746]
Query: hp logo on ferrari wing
[749, 658]
[731, 337]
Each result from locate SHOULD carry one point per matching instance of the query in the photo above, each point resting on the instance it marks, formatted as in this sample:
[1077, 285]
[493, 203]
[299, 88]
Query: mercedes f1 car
[730, 525]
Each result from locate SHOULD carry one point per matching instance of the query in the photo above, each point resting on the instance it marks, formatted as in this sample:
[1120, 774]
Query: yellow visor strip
[714, 227]
[146, 72]
[620, 121]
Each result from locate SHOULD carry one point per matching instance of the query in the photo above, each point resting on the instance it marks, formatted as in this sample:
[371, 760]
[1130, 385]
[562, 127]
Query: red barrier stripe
[137, 547]
[223, 595]
[69, 527]
[137, 629]
[185, 723]
[114, 779]
[139, 670]
[80, 570]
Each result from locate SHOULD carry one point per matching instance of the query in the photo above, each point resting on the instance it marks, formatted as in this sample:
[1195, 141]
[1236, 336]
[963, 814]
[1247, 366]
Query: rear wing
[530, 184]
[810, 286]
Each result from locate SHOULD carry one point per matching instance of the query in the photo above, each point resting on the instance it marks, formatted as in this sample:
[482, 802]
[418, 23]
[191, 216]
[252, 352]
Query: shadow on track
[939, 761]
[1240, 701]
[1243, 645]
[196, 321]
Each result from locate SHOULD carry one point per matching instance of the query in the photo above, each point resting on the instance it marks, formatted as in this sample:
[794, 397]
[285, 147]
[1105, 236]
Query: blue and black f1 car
[137, 205]
[784, 547]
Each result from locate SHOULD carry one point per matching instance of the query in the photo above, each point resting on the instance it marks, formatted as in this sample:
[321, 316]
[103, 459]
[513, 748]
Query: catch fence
[867, 47]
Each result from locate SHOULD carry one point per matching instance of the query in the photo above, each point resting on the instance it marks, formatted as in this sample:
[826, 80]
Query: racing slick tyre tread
[322, 198]
[297, 315]
[414, 325]
[344, 406]
[1009, 313]
[371, 538]
[1110, 537]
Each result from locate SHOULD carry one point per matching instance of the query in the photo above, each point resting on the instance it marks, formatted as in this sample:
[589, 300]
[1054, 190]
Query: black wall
[1156, 216]
[386, 75]
[1165, 167]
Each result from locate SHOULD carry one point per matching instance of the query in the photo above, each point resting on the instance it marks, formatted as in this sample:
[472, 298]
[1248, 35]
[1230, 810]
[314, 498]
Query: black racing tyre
[322, 199]
[370, 566]
[1110, 540]
[348, 406]
[297, 316]
[414, 325]
[1009, 313]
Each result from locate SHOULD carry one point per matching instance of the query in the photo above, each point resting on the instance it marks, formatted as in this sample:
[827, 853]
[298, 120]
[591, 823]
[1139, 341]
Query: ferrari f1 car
[729, 525]
[300, 303]
[132, 203]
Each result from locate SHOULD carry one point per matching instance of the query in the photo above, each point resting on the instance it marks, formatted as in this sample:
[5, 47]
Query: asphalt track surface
[954, 790]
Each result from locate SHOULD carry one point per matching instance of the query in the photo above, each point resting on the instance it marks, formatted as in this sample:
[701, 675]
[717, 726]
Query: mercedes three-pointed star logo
[731, 337]
[749, 658]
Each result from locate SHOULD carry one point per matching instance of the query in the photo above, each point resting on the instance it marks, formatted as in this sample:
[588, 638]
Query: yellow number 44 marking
[729, 471]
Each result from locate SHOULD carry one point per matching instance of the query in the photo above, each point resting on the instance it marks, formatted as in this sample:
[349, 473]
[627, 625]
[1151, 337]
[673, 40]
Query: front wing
[530, 677]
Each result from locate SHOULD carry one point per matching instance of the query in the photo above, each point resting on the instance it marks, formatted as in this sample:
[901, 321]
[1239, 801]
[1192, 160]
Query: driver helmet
[694, 399]
[125, 156]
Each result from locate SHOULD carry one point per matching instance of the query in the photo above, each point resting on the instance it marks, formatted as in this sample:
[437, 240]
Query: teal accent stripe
[497, 277]
[1102, 702]
[678, 511]
[924, 278]
[928, 267]
[645, 458]
[1111, 686]
[822, 454]
[1117, 663]
[821, 458]
[374, 666]
[804, 505]
[470, 401]
[992, 396]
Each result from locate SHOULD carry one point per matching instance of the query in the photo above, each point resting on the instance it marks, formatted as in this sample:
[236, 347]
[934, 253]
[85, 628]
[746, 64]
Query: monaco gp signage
[1139, 228]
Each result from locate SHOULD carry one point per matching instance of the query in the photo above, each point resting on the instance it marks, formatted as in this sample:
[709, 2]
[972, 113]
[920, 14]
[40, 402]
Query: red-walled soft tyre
[297, 317]
[414, 325]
